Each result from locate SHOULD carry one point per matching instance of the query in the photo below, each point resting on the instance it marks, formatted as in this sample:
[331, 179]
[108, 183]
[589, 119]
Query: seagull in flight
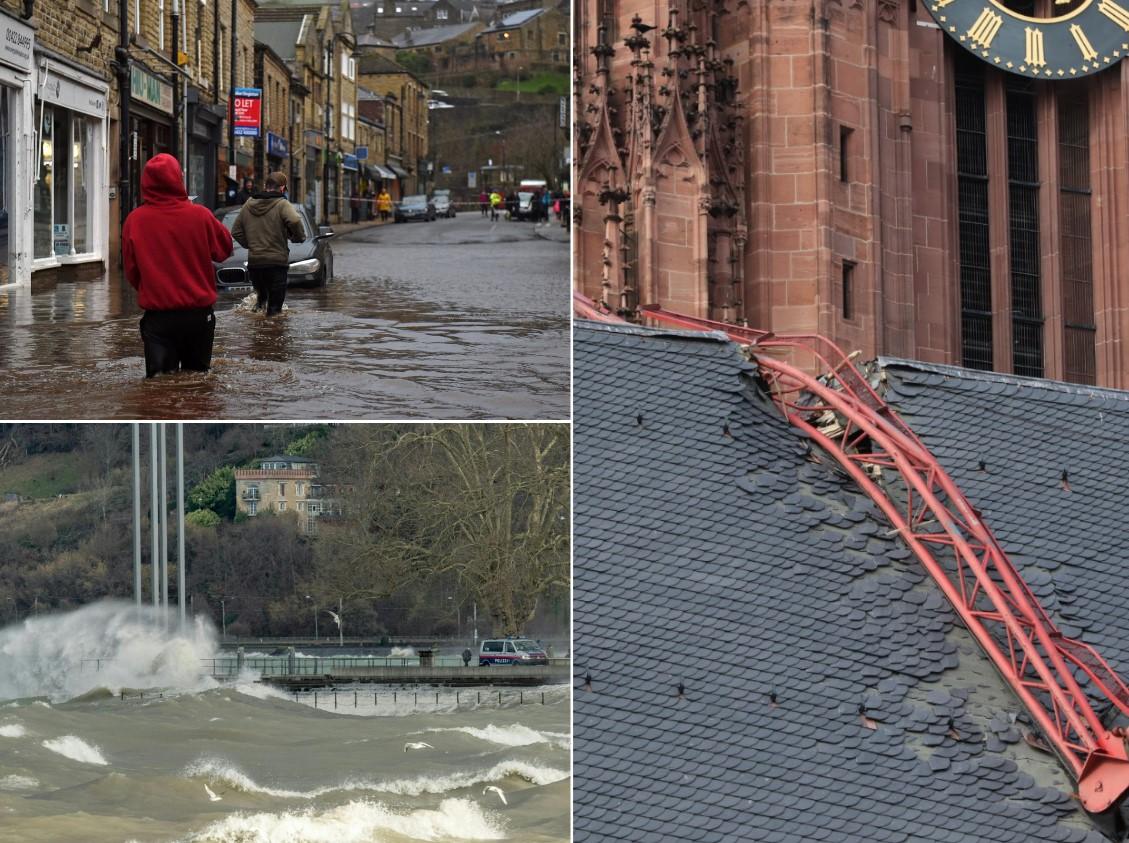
[336, 617]
[497, 790]
[417, 745]
[211, 795]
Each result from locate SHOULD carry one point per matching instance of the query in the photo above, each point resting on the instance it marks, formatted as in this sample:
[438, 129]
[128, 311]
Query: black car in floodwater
[311, 261]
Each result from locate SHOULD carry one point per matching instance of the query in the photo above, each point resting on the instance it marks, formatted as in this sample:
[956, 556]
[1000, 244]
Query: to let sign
[247, 111]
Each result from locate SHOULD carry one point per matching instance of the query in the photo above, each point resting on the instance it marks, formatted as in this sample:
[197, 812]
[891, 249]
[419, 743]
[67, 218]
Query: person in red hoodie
[168, 245]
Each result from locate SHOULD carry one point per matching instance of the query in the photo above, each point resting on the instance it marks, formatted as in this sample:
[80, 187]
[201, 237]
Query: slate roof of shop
[736, 565]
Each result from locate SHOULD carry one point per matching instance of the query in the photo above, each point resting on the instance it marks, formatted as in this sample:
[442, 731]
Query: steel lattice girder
[842, 413]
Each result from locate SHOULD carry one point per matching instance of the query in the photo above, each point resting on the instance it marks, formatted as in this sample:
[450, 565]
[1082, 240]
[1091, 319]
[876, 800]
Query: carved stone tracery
[676, 136]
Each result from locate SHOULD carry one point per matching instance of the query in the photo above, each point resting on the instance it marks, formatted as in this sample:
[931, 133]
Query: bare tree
[486, 504]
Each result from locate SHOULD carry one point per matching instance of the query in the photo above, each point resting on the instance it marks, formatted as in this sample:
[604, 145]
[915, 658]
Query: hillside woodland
[436, 521]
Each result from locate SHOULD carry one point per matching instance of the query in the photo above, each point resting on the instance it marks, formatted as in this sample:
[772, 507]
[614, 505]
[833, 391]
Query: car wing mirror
[325, 232]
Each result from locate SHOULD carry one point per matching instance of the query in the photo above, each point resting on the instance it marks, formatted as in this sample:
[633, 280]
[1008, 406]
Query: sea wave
[15, 782]
[76, 749]
[356, 822]
[12, 730]
[215, 769]
[515, 735]
[250, 686]
[108, 645]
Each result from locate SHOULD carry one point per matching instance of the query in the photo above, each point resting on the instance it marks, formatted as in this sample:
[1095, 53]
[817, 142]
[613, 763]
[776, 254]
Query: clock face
[1084, 37]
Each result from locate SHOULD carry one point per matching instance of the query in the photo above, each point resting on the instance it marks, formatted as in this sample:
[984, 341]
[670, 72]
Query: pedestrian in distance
[264, 225]
[370, 204]
[495, 204]
[247, 191]
[546, 201]
[168, 246]
[484, 202]
[466, 657]
[384, 204]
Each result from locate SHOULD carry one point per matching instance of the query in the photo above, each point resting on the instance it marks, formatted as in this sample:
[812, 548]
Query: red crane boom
[844, 415]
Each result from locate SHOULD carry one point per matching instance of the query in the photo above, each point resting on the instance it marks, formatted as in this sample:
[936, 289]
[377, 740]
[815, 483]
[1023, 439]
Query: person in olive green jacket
[263, 226]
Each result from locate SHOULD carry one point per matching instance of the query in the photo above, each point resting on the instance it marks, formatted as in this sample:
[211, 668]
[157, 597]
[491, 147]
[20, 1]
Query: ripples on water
[470, 330]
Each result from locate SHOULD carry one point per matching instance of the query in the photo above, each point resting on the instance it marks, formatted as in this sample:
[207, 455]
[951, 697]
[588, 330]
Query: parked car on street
[444, 207]
[516, 651]
[311, 261]
[526, 206]
[414, 207]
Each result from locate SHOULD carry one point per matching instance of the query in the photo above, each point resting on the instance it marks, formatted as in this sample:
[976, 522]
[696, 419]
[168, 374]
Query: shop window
[62, 206]
[5, 187]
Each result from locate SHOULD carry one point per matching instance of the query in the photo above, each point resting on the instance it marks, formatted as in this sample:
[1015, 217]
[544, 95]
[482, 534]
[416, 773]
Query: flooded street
[457, 318]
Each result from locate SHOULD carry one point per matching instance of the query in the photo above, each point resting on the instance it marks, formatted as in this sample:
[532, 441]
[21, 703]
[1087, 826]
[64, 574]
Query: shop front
[150, 123]
[278, 150]
[17, 77]
[350, 185]
[70, 211]
[403, 179]
[205, 138]
[385, 179]
[312, 195]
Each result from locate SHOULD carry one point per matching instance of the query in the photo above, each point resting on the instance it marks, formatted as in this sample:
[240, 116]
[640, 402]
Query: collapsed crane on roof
[839, 411]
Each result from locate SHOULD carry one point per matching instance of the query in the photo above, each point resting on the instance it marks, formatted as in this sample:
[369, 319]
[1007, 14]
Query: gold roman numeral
[1115, 13]
[1035, 56]
[984, 30]
[1087, 49]
[940, 4]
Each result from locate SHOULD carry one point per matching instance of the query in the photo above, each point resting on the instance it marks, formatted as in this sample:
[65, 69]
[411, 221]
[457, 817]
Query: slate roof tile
[737, 566]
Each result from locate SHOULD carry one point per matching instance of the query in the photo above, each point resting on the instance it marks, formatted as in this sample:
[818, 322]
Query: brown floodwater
[451, 319]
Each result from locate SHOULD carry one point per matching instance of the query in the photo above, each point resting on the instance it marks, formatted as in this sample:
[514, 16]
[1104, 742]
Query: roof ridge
[1064, 387]
[642, 330]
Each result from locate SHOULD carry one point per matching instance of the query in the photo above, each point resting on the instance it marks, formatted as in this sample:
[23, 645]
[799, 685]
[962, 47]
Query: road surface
[454, 319]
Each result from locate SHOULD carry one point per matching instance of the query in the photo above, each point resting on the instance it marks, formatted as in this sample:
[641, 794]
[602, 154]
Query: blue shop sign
[277, 147]
[349, 162]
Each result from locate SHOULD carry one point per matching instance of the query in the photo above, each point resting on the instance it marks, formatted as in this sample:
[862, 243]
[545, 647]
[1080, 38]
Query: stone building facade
[853, 168]
[405, 98]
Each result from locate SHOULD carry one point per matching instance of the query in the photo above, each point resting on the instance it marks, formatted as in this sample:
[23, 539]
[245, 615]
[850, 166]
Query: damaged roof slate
[828, 694]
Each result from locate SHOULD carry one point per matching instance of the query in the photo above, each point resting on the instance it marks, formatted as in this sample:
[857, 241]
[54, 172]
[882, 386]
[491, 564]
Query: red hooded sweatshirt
[168, 244]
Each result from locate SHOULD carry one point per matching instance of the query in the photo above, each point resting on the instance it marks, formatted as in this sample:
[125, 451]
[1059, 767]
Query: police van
[519, 651]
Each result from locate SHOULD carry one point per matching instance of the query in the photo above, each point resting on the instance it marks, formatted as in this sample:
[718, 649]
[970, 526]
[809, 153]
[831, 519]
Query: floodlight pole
[136, 514]
[180, 573]
[154, 516]
[164, 521]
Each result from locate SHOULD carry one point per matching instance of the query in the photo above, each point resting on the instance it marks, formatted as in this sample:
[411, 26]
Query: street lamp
[315, 617]
[502, 136]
